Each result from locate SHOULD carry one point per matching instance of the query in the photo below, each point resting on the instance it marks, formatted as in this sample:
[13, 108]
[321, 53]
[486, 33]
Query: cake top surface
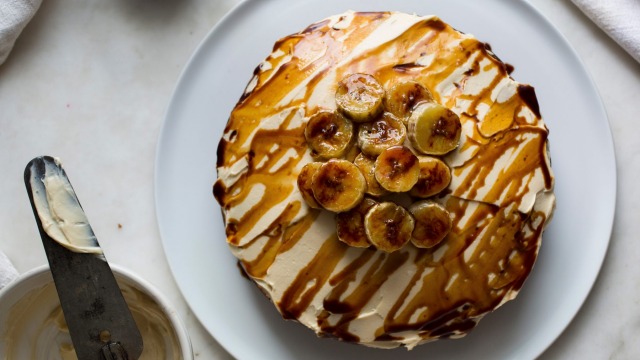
[500, 194]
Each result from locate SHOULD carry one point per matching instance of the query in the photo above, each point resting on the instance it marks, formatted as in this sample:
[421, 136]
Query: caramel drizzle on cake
[500, 192]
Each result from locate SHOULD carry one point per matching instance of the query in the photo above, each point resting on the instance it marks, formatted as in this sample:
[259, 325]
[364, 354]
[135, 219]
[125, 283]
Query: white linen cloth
[14, 16]
[7, 271]
[620, 19]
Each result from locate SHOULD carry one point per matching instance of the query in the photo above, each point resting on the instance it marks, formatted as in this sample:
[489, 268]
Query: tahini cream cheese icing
[500, 195]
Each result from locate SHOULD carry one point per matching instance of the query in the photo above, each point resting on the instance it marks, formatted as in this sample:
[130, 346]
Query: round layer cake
[498, 196]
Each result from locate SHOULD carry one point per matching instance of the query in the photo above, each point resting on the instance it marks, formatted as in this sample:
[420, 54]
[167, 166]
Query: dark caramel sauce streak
[349, 305]
[530, 158]
[505, 241]
[280, 238]
[311, 278]
[528, 95]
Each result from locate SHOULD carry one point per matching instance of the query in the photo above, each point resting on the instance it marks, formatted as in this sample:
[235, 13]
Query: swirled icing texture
[35, 328]
[501, 194]
[60, 212]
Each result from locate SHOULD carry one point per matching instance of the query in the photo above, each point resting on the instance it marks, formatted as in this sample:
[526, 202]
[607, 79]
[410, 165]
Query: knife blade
[99, 321]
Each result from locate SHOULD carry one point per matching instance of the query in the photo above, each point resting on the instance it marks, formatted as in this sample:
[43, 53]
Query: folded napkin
[618, 18]
[14, 16]
[7, 271]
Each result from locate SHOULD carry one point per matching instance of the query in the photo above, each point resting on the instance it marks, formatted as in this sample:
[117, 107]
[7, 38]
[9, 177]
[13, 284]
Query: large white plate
[241, 318]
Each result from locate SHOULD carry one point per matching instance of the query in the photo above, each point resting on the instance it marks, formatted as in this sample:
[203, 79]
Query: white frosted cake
[384, 181]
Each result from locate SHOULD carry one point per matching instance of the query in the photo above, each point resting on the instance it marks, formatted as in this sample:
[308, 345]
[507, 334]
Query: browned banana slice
[434, 177]
[329, 134]
[338, 185]
[388, 226]
[350, 224]
[434, 129]
[397, 169]
[404, 96]
[367, 166]
[384, 132]
[305, 181]
[432, 223]
[359, 97]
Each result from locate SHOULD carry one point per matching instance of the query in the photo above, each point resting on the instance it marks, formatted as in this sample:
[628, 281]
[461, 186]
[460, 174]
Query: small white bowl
[32, 325]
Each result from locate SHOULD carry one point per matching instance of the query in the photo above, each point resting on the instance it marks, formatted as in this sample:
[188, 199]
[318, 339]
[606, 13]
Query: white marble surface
[89, 81]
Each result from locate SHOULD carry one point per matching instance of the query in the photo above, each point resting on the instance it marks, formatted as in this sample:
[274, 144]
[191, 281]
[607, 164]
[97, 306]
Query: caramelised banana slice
[338, 185]
[329, 134]
[367, 166]
[305, 181]
[350, 224]
[434, 129]
[404, 96]
[359, 97]
[388, 226]
[434, 177]
[397, 169]
[432, 223]
[379, 134]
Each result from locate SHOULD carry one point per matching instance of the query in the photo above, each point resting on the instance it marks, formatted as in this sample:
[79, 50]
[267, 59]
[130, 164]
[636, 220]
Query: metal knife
[100, 322]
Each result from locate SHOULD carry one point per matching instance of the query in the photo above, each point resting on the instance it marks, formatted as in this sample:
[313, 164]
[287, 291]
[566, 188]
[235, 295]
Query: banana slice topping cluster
[379, 144]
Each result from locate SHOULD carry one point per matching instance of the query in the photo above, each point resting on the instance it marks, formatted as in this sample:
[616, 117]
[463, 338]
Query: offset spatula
[99, 320]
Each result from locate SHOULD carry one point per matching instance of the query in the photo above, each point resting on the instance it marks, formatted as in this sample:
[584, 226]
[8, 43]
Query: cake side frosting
[500, 195]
